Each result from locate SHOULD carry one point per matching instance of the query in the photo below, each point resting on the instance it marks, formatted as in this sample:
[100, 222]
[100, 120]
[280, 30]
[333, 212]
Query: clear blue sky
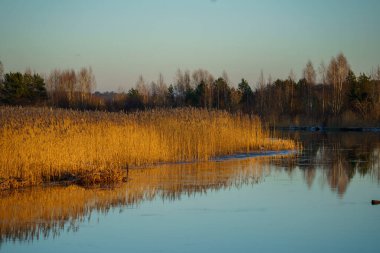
[122, 39]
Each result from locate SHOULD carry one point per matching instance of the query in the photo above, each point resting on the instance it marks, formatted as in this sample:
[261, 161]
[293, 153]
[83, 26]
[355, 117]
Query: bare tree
[270, 80]
[332, 78]
[343, 69]
[292, 79]
[226, 78]
[204, 76]
[66, 87]
[143, 90]
[337, 73]
[153, 94]
[182, 85]
[376, 85]
[54, 88]
[322, 73]
[261, 82]
[377, 110]
[332, 72]
[323, 79]
[187, 80]
[292, 76]
[69, 81]
[261, 87]
[200, 75]
[310, 77]
[309, 73]
[28, 71]
[179, 87]
[1, 72]
[86, 83]
[162, 90]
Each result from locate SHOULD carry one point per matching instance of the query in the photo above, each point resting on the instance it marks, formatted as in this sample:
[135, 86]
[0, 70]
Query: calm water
[317, 201]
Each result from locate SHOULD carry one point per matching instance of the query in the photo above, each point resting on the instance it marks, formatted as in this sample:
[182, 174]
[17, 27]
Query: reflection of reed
[32, 213]
[28, 214]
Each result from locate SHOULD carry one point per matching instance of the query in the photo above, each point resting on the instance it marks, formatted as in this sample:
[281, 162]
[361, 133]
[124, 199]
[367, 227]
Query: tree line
[338, 96]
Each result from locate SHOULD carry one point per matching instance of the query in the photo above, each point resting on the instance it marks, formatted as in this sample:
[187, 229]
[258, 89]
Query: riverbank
[40, 145]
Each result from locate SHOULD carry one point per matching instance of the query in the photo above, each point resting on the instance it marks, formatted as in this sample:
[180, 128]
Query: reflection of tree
[340, 156]
[309, 175]
[352, 153]
[311, 155]
[376, 163]
[338, 175]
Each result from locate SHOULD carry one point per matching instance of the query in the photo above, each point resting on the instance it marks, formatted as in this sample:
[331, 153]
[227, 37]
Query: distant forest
[338, 97]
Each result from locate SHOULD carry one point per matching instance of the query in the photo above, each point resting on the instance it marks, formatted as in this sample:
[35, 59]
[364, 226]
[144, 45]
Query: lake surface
[316, 201]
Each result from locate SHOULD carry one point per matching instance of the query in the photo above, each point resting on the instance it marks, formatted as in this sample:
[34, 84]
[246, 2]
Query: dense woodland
[329, 95]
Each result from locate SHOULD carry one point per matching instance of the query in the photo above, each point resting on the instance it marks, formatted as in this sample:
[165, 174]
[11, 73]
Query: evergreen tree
[23, 89]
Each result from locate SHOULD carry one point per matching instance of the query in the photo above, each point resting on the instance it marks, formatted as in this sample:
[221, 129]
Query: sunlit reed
[41, 145]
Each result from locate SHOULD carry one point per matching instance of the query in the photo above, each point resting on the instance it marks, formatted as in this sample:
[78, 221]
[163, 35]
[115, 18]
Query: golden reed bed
[40, 145]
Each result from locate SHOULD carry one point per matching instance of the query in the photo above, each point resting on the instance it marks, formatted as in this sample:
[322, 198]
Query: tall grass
[42, 144]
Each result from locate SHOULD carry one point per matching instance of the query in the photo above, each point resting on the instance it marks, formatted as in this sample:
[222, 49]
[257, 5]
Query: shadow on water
[30, 214]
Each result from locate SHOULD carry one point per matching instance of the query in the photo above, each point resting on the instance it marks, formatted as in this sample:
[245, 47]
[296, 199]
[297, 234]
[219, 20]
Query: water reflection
[43, 212]
[32, 213]
[340, 156]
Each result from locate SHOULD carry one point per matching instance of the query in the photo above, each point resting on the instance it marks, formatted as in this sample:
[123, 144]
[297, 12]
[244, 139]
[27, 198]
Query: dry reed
[40, 144]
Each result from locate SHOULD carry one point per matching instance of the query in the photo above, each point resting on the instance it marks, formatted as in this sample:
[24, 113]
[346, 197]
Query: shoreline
[264, 153]
[221, 158]
[86, 180]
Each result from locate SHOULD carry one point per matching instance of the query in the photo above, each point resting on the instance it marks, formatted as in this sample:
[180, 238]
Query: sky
[123, 39]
